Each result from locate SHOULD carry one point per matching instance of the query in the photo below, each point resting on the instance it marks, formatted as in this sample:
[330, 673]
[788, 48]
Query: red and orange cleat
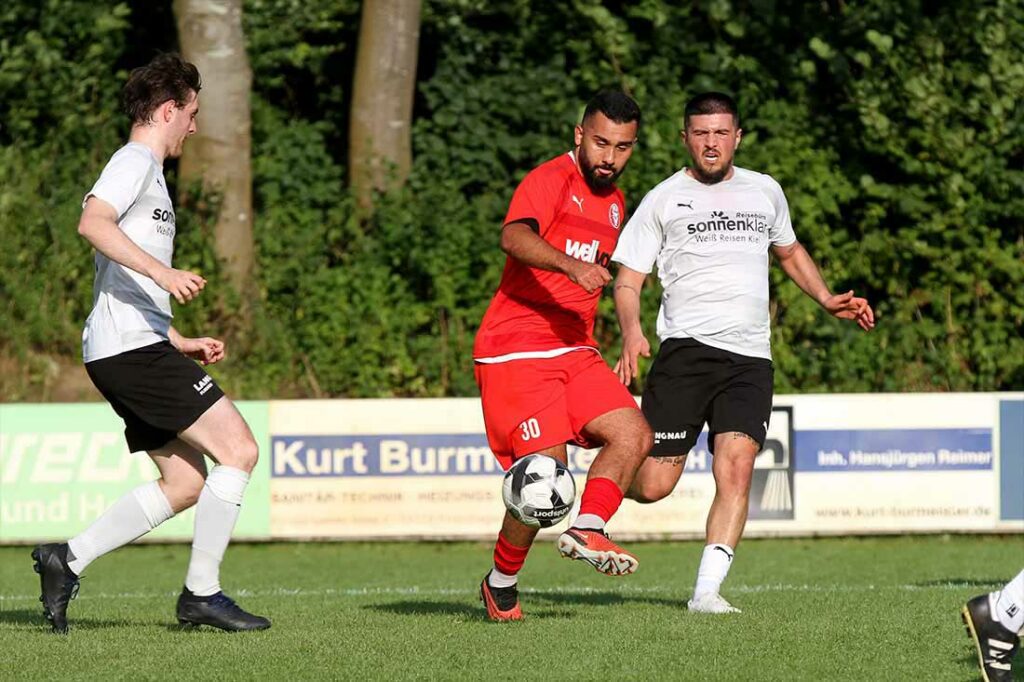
[594, 547]
[502, 602]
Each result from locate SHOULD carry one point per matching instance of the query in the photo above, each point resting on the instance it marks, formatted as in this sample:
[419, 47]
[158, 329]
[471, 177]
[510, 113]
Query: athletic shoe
[58, 583]
[711, 602]
[594, 547]
[995, 644]
[217, 610]
[502, 602]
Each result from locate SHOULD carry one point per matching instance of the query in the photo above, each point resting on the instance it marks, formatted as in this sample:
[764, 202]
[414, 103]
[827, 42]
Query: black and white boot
[994, 643]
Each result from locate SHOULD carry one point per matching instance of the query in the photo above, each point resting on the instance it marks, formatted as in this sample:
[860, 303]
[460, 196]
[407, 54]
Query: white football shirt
[710, 243]
[129, 310]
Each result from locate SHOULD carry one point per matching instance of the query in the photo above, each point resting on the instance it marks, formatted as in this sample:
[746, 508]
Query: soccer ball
[538, 491]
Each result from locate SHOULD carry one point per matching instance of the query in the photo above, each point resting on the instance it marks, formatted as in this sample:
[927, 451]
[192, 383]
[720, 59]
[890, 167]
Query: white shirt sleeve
[120, 183]
[640, 241]
[781, 232]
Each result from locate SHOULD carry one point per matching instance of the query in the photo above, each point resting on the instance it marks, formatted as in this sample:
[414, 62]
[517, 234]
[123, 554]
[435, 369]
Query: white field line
[460, 591]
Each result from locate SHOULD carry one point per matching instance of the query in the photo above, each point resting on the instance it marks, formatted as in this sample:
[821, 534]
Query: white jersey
[710, 243]
[129, 310]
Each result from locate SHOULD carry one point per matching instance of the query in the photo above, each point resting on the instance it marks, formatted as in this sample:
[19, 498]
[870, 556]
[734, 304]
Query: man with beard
[542, 381]
[708, 228]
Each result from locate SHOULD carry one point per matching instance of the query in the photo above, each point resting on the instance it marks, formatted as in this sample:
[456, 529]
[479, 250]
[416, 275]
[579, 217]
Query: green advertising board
[62, 465]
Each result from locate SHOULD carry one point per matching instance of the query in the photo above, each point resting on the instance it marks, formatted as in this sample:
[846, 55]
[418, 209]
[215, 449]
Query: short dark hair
[616, 105]
[711, 103]
[166, 77]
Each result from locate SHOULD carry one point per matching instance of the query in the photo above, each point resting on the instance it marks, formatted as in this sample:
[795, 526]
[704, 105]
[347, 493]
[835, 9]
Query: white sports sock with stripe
[714, 567]
[216, 513]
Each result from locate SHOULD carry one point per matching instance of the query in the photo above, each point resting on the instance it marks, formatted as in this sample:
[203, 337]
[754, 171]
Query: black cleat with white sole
[219, 611]
[58, 583]
[995, 644]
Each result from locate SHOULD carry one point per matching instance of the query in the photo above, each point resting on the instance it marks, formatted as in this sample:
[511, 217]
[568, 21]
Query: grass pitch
[850, 609]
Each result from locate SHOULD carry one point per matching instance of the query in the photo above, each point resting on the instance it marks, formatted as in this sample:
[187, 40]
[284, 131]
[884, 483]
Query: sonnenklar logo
[719, 222]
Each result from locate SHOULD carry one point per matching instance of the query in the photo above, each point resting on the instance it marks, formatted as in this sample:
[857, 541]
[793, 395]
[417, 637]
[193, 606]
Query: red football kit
[541, 377]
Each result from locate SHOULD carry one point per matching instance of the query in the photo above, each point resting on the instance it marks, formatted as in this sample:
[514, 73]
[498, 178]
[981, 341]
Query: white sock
[216, 513]
[714, 566]
[1009, 605]
[498, 579]
[132, 516]
[589, 522]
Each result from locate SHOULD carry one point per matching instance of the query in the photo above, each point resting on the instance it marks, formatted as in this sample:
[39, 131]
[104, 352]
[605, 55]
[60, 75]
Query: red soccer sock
[508, 558]
[601, 497]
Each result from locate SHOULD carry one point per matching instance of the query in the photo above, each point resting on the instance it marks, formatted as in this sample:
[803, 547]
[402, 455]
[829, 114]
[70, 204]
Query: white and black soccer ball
[538, 491]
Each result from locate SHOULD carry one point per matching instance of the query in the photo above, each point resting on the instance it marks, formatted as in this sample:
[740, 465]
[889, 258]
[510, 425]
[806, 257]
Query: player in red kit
[542, 380]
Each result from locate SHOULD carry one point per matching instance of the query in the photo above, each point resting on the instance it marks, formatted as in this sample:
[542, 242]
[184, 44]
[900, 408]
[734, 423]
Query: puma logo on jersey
[578, 201]
[686, 204]
[588, 253]
[203, 385]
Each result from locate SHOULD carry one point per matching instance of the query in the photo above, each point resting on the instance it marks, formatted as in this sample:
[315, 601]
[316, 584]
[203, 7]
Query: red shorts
[533, 404]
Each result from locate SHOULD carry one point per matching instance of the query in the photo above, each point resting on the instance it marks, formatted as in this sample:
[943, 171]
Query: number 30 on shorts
[531, 429]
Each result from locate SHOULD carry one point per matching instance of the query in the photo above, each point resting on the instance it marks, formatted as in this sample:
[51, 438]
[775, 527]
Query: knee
[241, 455]
[645, 494]
[183, 491]
[246, 455]
[648, 491]
[734, 481]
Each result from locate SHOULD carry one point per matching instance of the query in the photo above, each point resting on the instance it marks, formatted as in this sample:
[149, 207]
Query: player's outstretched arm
[800, 267]
[98, 225]
[628, 285]
[522, 243]
[204, 349]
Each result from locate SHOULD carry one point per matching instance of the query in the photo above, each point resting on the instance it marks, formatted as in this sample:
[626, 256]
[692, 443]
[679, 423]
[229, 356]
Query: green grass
[852, 609]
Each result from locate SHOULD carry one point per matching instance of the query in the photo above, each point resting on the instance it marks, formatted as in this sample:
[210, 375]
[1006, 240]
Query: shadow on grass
[32, 619]
[985, 585]
[589, 598]
[468, 611]
[536, 604]
[201, 630]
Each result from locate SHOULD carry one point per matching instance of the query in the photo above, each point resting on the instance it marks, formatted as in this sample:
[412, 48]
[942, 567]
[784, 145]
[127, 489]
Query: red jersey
[536, 313]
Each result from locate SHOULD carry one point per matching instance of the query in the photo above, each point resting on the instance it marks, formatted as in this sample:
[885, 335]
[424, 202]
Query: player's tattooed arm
[628, 284]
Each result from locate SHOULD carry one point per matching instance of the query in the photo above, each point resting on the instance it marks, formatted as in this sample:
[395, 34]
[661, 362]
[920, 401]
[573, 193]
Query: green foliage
[895, 129]
[58, 89]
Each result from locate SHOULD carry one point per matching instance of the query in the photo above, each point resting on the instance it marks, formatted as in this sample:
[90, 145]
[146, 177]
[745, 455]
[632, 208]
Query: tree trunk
[219, 154]
[380, 133]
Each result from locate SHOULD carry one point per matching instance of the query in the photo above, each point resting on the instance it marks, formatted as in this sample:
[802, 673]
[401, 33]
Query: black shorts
[691, 383]
[156, 390]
